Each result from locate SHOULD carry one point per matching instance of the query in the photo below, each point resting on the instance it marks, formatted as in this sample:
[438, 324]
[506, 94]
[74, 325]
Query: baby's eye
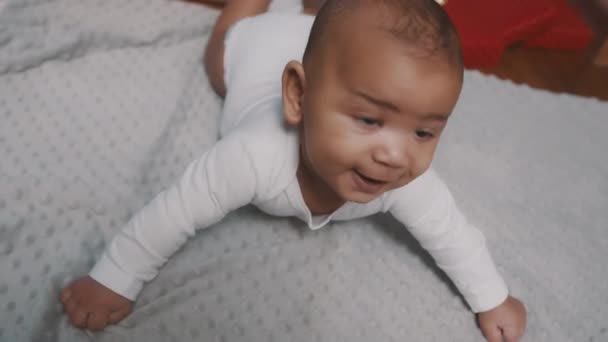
[424, 134]
[368, 121]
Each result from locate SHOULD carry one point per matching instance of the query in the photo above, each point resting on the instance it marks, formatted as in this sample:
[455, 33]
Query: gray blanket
[103, 104]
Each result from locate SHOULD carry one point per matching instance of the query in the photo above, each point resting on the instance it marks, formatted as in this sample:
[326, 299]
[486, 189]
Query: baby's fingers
[78, 318]
[512, 334]
[97, 321]
[492, 334]
[65, 295]
[70, 306]
[119, 315]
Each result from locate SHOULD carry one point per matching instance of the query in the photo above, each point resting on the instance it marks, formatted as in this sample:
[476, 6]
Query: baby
[329, 118]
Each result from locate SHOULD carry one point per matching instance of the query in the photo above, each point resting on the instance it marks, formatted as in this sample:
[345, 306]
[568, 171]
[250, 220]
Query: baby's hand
[92, 306]
[505, 322]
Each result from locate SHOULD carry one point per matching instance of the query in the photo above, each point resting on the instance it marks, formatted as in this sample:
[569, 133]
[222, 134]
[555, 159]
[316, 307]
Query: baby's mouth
[369, 179]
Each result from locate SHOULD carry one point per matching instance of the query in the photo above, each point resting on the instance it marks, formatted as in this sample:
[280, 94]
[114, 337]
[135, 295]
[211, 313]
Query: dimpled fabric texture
[104, 103]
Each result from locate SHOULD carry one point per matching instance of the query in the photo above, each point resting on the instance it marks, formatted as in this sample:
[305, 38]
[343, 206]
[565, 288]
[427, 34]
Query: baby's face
[371, 121]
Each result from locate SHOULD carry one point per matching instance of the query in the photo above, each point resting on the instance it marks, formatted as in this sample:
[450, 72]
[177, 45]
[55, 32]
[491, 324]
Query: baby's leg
[234, 10]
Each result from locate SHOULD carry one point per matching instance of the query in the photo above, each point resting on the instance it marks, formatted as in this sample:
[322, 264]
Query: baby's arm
[220, 181]
[427, 208]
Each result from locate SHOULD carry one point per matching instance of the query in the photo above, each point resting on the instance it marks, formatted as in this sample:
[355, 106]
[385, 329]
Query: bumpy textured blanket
[103, 104]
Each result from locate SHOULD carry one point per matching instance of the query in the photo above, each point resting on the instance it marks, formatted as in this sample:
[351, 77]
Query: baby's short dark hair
[422, 24]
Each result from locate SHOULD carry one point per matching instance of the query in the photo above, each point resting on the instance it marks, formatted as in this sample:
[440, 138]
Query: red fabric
[486, 27]
[569, 31]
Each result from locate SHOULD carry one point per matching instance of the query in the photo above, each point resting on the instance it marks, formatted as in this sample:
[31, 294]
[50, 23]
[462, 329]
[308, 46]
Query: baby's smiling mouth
[369, 179]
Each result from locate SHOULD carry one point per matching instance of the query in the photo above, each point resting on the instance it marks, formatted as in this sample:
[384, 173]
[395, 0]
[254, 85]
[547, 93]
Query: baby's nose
[392, 154]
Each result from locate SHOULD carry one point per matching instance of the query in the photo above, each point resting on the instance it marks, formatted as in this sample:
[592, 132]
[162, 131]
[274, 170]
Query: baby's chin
[360, 197]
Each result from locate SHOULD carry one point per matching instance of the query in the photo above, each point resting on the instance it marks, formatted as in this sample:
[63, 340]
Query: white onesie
[255, 163]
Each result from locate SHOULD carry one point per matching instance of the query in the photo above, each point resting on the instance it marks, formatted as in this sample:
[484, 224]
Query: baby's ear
[294, 83]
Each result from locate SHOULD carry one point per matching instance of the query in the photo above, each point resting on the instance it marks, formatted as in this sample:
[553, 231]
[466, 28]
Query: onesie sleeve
[221, 180]
[427, 209]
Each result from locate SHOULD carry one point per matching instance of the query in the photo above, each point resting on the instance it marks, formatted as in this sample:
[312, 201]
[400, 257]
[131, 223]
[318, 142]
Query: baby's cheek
[325, 156]
[336, 149]
[402, 182]
[421, 166]
[423, 158]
